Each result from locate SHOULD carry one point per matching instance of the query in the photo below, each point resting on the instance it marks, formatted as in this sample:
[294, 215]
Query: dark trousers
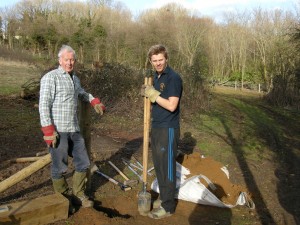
[69, 144]
[164, 143]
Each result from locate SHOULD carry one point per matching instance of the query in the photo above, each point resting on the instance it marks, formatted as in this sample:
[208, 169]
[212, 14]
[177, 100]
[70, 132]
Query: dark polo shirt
[169, 85]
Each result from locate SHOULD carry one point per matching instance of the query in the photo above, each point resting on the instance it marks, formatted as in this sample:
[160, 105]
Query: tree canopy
[256, 46]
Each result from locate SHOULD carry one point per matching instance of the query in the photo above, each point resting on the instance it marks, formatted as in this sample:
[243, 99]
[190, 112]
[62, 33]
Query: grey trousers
[69, 144]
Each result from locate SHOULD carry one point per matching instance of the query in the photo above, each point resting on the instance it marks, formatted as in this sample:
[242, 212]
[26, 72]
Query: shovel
[144, 198]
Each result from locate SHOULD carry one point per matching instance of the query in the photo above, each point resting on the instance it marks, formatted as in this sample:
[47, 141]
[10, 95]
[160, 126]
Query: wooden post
[85, 129]
[24, 159]
[24, 173]
[43, 210]
[147, 108]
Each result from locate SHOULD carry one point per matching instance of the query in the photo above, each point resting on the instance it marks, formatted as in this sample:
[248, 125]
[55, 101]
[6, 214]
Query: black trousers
[164, 144]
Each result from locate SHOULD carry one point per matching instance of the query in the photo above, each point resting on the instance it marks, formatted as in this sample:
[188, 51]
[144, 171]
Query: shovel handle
[119, 171]
[129, 167]
[147, 108]
[122, 186]
[108, 178]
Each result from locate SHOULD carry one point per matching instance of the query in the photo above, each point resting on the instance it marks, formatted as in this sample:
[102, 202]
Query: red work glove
[50, 136]
[98, 106]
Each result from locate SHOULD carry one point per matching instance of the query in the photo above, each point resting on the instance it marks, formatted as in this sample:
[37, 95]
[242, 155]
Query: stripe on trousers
[170, 154]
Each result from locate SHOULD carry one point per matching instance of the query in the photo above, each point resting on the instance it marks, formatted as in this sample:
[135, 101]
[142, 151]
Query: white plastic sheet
[193, 190]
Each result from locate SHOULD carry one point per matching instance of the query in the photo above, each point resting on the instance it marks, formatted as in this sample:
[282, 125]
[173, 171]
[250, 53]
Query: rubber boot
[79, 186]
[61, 186]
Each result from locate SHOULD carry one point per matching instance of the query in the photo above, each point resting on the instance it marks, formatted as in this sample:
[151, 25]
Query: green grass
[14, 74]
[240, 125]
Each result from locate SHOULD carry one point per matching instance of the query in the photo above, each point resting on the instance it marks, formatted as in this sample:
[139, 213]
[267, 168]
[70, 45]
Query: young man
[165, 96]
[59, 93]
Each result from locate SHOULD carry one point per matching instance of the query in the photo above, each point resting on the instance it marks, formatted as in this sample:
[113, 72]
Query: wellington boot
[61, 186]
[79, 186]
[83, 201]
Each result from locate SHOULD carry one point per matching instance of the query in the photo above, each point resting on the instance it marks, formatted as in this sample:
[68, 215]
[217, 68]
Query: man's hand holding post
[150, 92]
[98, 106]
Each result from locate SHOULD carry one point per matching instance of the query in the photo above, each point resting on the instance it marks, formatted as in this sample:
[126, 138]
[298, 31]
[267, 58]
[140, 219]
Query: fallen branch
[42, 153]
[24, 159]
[24, 173]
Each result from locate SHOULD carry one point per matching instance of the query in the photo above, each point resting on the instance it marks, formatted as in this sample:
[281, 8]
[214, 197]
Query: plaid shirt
[59, 92]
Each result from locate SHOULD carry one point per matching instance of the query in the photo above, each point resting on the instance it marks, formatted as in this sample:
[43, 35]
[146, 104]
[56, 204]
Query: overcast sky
[211, 8]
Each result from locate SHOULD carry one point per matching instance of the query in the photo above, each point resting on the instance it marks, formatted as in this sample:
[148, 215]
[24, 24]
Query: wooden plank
[43, 210]
[24, 159]
[24, 173]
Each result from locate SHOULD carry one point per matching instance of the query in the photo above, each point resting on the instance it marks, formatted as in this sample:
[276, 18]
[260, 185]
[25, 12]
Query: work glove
[98, 106]
[149, 92]
[50, 136]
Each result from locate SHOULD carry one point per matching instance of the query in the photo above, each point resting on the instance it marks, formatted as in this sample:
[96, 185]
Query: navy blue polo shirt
[169, 85]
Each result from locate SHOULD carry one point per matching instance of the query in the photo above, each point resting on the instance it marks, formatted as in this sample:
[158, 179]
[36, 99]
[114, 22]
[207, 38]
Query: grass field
[14, 74]
[241, 124]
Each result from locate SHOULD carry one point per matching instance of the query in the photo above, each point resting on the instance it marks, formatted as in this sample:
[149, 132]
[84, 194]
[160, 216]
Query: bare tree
[189, 37]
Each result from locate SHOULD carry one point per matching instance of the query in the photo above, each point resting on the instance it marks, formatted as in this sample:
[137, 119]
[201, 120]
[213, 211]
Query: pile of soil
[226, 191]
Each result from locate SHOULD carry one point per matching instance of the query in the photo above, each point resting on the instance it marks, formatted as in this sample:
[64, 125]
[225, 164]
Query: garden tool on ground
[127, 180]
[121, 185]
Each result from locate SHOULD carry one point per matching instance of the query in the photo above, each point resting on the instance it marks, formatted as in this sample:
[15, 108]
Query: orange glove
[98, 106]
[50, 136]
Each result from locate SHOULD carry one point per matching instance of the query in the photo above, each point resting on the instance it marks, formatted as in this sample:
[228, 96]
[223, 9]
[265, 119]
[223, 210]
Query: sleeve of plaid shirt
[47, 88]
[82, 94]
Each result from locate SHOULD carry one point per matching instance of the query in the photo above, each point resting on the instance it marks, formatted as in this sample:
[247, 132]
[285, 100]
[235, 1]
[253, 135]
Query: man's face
[67, 61]
[159, 62]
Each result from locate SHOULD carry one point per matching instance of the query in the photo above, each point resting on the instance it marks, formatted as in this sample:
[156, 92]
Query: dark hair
[157, 49]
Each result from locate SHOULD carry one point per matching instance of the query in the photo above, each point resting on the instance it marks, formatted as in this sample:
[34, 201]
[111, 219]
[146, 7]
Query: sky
[212, 8]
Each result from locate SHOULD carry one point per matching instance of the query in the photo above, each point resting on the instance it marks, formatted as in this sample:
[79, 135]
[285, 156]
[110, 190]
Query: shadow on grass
[281, 130]
[280, 133]
[236, 144]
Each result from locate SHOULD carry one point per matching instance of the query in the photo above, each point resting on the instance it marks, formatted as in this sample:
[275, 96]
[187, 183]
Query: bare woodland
[252, 47]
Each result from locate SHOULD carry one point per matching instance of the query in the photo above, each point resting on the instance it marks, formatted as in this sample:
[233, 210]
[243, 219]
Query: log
[24, 173]
[43, 210]
[24, 159]
[42, 153]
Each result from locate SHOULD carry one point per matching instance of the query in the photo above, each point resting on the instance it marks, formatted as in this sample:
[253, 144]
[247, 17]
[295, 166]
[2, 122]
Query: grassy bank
[14, 74]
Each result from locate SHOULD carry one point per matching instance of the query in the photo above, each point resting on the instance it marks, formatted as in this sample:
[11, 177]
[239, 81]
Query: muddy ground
[275, 190]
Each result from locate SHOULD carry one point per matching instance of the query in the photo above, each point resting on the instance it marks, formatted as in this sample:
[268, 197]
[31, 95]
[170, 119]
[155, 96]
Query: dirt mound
[226, 191]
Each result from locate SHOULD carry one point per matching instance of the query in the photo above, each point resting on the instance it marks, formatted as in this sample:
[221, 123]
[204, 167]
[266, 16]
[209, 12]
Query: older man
[59, 93]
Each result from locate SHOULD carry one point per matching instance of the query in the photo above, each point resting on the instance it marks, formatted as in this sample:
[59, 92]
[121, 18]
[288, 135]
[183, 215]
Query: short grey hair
[66, 48]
